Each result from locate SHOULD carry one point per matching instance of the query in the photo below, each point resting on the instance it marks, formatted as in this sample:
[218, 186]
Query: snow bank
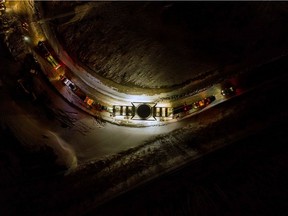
[34, 134]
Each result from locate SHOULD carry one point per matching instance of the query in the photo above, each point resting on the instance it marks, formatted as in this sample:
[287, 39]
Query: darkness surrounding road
[248, 177]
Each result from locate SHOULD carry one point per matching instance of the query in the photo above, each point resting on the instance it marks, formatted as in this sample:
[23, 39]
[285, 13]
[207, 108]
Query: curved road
[101, 141]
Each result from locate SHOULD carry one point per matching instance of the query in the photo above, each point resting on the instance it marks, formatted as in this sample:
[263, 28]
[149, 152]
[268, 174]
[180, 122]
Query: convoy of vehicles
[45, 52]
[200, 104]
[131, 111]
[82, 95]
[162, 112]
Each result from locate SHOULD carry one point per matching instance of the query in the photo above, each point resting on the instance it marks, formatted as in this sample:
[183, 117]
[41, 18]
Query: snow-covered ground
[136, 47]
[116, 157]
[160, 44]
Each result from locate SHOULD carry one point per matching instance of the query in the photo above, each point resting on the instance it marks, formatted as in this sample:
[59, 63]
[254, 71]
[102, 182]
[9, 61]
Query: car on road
[228, 91]
[53, 62]
[182, 108]
[47, 54]
[68, 83]
[203, 102]
[43, 49]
